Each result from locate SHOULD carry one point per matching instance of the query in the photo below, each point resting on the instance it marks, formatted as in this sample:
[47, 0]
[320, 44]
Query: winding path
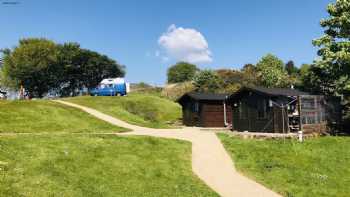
[210, 161]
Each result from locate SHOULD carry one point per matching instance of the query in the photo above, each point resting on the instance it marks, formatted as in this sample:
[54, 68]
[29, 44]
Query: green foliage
[47, 116]
[250, 75]
[291, 68]
[304, 70]
[181, 72]
[231, 79]
[41, 65]
[207, 81]
[331, 72]
[100, 165]
[271, 72]
[316, 167]
[34, 64]
[136, 108]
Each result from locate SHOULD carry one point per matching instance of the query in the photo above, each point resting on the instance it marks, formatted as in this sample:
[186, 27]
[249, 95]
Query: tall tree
[271, 72]
[33, 64]
[41, 66]
[181, 72]
[331, 72]
[291, 68]
[83, 68]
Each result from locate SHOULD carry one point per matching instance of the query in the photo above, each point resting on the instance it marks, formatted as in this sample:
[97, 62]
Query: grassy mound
[316, 167]
[48, 116]
[106, 165]
[139, 109]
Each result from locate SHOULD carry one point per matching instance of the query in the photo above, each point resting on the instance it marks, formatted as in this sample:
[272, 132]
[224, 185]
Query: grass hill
[48, 116]
[52, 161]
[141, 109]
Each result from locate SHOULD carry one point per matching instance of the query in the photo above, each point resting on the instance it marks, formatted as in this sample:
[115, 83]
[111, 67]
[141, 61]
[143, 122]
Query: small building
[205, 109]
[282, 110]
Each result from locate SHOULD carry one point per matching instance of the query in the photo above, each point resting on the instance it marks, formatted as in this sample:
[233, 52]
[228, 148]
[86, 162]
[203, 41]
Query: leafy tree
[181, 72]
[231, 79]
[291, 68]
[304, 70]
[32, 64]
[249, 75]
[331, 72]
[41, 66]
[70, 59]
[271, 72]
[303, 81]
[96, 67]
[207, 81]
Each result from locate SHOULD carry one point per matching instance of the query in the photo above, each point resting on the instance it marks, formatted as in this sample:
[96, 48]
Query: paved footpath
[210, 161]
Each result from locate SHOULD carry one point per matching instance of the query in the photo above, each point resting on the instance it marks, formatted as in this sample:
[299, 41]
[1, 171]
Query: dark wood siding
[318, 113]
[209, 114]
[212, 114]
[245, 114]
[189, 116]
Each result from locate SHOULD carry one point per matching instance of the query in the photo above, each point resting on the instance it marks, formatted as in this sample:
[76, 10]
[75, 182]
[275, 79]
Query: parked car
[111, 87]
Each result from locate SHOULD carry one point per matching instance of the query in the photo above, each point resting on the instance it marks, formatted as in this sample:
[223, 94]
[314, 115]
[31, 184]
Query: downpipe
[225, 119]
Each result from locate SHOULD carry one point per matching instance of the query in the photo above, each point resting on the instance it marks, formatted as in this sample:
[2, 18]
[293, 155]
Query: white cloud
[184, 44]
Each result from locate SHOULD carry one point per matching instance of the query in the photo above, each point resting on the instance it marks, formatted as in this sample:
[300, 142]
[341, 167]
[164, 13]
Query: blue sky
[212, 34]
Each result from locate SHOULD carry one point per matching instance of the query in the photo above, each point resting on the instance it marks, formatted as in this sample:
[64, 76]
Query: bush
[207, 81]
[181, 72]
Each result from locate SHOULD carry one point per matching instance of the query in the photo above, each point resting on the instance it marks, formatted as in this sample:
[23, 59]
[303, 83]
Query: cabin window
[243, 111]
[309, 118]
[195, 107]
[262, 108]
[313, 110]
[308, 103]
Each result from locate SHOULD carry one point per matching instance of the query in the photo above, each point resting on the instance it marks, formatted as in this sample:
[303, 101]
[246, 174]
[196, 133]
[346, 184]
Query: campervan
[111, 87]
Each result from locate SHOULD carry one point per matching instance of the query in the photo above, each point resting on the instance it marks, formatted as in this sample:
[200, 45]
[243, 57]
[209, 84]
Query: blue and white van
[111, 87]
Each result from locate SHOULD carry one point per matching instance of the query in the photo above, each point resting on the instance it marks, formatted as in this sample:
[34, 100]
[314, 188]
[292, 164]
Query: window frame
[262, 107]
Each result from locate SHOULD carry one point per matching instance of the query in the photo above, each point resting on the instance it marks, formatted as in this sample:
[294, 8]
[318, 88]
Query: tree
[181, 72]
[83, 68]
[96, 67]
[32, 64]
[271, 72]
[303, 78]
[331, 72]
[207, 81]
[231, 79]
[249, 75]
[41, 66]
[291, 68]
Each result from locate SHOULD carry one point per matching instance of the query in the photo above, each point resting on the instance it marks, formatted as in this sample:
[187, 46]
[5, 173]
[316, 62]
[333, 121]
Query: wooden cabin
[282, 110]
[205, 109]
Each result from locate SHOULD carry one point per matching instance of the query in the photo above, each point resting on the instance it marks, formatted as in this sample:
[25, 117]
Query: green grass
[140, 109]
[317, 167]
[100, 165]
[48, 116]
